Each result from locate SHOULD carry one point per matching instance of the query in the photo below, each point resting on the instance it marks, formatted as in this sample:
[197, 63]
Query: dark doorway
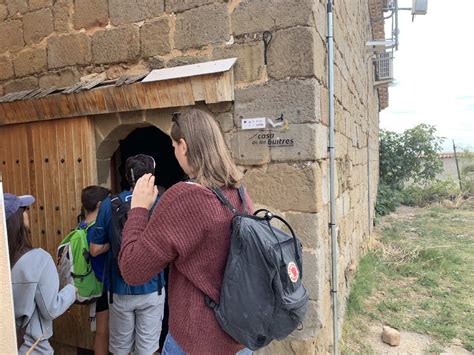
[150, 141]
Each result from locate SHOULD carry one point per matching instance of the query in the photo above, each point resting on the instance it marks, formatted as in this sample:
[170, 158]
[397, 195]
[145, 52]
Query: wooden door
[53, 161]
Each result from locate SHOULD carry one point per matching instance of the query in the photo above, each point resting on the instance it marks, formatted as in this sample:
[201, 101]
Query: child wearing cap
[36, 295]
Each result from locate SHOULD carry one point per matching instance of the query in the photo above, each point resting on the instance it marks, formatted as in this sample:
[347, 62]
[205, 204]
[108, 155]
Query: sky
[434, 72]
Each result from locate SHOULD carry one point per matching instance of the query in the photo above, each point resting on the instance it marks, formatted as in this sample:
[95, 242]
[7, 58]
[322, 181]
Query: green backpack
[74, 266]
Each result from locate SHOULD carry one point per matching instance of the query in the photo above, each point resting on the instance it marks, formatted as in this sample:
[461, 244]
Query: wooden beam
[210, 88]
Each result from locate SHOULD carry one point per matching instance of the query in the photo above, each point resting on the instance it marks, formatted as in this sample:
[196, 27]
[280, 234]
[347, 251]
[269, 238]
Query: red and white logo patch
[293, 272]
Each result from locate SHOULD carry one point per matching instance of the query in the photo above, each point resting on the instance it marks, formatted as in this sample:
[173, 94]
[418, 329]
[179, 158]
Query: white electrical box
[419, 7]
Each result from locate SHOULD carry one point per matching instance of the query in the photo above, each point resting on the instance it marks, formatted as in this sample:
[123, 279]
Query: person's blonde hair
[208, 156]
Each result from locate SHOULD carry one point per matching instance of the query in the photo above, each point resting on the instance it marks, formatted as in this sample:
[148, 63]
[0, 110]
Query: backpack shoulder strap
[242, 197]
[220, 195]
[89, 226]
[115, 202]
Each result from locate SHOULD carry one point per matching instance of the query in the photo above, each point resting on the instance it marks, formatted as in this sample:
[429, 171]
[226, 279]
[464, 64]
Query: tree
[409, 156]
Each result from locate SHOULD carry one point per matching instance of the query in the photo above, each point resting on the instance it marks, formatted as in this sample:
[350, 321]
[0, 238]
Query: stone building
[73, 104]
[450, 170]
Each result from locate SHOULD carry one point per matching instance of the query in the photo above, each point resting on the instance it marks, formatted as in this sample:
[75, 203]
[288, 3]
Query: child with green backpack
[77, 266]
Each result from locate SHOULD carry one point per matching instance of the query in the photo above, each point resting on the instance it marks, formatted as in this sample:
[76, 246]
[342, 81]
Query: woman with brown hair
[36, 295]
[190, 230]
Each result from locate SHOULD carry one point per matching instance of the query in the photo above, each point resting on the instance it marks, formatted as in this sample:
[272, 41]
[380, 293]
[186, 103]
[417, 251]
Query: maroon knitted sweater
[190, 230]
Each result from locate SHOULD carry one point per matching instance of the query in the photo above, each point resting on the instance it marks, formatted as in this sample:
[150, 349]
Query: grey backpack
[262, 295]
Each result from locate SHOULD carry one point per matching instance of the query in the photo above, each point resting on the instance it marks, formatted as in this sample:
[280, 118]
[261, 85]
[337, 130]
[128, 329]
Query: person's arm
[50, 302]
[149, 245]
[99, 231]
[97, 249]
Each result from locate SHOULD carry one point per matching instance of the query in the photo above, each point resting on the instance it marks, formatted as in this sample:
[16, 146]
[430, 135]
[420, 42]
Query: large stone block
[286, 187]
[324, 164]
[37, 25]
[22, 84]
[11, 36]
[324, 106]
[201, 26]
[250, 60]
[129, 118]
[306, 227]
[3, 12]
[160, 118]
[296, 143]
[156, 62]
[104, 125]
[182, 5]
[39, 4]
[90, 13]
[313, 275]
[322, 141]
[60, 79]
[297, 100]
[30, 61]
[116, 45]
[155, 38]
[6, 68]
[129, 11]
[296, 52]
[339, 119]
[226, 121]
[257, 16]
[69, 50]
[16, 7]
[62, 13]
[320, 18]
[220, 107]
[289, 347]
[246, 150]
[107, 148]
[185, 60]
[312, 323]
[341, 144]
[103, 173]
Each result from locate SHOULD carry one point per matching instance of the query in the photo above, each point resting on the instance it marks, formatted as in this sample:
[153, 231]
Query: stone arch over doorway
[110, 129]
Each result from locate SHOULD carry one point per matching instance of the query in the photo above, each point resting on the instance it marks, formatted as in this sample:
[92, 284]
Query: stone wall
[46, 43]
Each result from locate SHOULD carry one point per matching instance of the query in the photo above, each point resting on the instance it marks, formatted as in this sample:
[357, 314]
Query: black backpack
[120, 209]
[262, 295]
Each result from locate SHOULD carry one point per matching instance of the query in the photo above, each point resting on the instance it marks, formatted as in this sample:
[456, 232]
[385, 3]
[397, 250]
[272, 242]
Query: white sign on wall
[254, 123]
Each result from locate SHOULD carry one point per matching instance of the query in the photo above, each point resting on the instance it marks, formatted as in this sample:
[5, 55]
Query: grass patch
[363, 287]
[435, 349]
[421, 279]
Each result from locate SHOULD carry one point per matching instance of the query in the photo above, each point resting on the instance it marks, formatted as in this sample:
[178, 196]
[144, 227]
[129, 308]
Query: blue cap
[13, 203]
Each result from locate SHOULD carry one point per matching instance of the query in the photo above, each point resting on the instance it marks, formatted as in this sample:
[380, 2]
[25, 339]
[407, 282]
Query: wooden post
[8, 343]
[457, 165]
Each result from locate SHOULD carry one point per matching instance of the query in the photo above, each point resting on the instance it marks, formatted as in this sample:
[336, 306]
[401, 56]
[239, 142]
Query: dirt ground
[369, 332]
[410, 343]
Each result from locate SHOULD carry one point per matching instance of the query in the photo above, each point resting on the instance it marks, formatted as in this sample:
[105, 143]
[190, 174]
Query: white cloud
[434, 72]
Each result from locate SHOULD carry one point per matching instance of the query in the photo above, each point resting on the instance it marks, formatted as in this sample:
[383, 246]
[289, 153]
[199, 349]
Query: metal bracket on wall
[267, 38]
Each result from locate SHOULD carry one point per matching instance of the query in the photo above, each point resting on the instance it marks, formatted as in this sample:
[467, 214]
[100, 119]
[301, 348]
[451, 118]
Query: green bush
[388, 199]
[467, 174]
[404, 157]
[468, 185]
[409, 156]
[436, 191]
